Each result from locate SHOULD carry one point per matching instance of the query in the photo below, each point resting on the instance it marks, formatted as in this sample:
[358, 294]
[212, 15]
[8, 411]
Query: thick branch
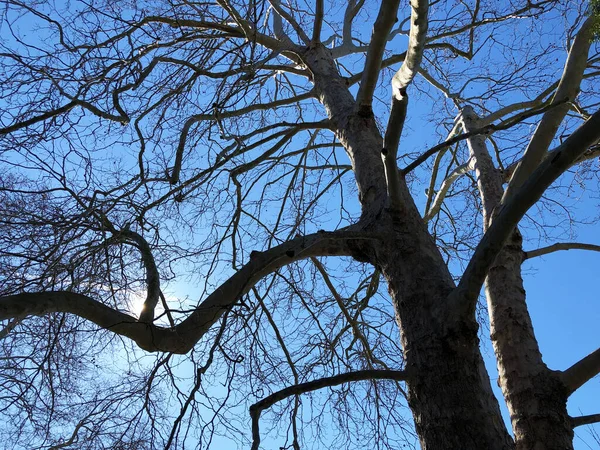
[303, 388]
[47, 115]
[184, 336]
[511, 211]
[400, 81]
[316, 36]
[581, 372]
[381, 29]
[391, 141]
[351, 11]
[489, 181]
[560, 246]
[416, 45]
[585, 420]
[567, 90]
[290, 19]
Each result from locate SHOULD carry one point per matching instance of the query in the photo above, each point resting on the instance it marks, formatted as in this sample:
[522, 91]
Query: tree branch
[316, 36]
[47, 115]
[585, 420]
[400, 81]
[416, 44]
[391, 141]
[581, 372]
[350, 13]
[436, 166]
[567, 90]
[489, 181]
[298, 389]
[289, 19]
[560, 246]
[181, 338]
[381, 29]
[511, 211]
[152, 275]
[446, 184]
[487, 129]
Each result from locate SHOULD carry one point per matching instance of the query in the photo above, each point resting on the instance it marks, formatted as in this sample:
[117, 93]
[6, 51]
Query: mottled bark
[449, 392]
[450, 395]
[535, 396]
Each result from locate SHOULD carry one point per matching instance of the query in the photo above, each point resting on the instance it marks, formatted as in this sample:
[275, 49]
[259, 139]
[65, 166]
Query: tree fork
[419, 283]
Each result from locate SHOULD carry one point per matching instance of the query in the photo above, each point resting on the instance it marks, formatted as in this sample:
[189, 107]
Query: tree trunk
[449, 393]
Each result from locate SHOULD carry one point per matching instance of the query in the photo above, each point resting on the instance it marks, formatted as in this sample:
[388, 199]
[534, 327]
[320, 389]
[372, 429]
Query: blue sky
[562, 288]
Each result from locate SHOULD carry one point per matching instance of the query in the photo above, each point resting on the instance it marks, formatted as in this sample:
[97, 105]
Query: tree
[151, 147]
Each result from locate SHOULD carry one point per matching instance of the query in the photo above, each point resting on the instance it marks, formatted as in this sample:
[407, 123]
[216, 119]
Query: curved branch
[581, 372]
[152, 275]
[181, 338]
[302, 388]
[446, 184]
[290, 19]
[560, 246]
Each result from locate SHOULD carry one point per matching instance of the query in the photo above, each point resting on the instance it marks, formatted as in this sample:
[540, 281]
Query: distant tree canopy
[595, 11]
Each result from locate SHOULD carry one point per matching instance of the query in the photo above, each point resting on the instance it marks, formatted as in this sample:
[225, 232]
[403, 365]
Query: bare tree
[182, 258]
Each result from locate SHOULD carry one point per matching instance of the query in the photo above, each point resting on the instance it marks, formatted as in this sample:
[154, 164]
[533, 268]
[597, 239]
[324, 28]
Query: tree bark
[535, 396]
[449, 391]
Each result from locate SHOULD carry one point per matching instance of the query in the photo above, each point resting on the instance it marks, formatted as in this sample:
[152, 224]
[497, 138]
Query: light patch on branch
[400, 81]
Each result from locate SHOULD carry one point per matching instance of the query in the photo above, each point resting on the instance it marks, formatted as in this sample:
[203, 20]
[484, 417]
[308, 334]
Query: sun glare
[135, 302]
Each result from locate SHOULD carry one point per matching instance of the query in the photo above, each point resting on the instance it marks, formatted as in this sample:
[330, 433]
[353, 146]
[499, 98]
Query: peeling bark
[534, 395]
